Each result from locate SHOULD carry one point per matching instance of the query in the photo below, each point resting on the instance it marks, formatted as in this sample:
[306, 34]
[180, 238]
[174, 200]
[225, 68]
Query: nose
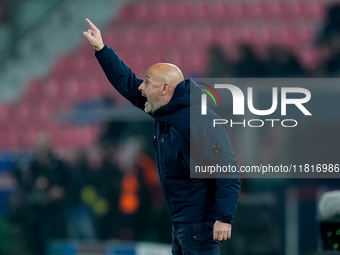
[141, 87]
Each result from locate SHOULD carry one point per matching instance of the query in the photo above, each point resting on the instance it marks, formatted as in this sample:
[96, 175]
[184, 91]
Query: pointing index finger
[92, 26]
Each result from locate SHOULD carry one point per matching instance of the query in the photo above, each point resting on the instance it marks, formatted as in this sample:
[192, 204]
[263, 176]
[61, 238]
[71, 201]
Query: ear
[165, 89]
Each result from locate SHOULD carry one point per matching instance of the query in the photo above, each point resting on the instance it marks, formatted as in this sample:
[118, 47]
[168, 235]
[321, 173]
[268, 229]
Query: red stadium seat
[149, 38]
[168, 37]
[63, 66]
[199, 10]
[310, 58]
[172, 11]
[57, 137]
[274, 9]
[127, 12]
[294, 9]
[218, 11]
[185, 37]
[52, 88]
[255, 10]
[112, 38]
[6, 113]
[245, 35]
[10, 138]
[135, 59]
[314, 9]
[153, 57]
[172, 55]
[72, 90]
[86, 136]
[205, 36]
[91, 90]
[163, 10]
[64, 136]
[236, 10]
[193, 61]
[33, 91]
[23, 112]
[143, 12]
[226, 37]
[305, 34]
[181, 11]
[42, 113]
[282, 36]
[82, 63]
[3, 133]
[263, 36]
[27, 136]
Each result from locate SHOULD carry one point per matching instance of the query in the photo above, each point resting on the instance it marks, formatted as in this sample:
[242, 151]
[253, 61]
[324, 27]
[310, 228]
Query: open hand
[94, 36]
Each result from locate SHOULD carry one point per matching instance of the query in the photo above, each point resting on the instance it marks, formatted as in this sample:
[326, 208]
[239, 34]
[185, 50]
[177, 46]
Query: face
[151, 89]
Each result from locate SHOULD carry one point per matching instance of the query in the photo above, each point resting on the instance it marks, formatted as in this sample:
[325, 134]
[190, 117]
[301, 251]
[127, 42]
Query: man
[201, 210]
[48, 183]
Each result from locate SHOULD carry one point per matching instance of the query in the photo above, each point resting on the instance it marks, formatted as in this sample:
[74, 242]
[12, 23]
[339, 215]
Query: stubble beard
[148, 107]
[151, 107]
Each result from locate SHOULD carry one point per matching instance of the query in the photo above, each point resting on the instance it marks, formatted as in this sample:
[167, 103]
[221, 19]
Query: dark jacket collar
[186, 93]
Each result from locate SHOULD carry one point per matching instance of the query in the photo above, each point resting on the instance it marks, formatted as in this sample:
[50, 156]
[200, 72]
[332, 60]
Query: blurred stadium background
[77, 174]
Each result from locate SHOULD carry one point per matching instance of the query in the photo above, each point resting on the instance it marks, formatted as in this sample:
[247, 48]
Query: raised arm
[119, 74]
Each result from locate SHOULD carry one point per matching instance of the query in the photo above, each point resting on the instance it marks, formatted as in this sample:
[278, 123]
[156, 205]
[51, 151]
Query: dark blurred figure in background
[248, 65]
[48, 183]
[141, 196]
[19, 209]
[282, 63]
[279, 63]
[330, 40]
[218, 65]
[80, 222]
[332, 64]
[103, 192]
[332, 25]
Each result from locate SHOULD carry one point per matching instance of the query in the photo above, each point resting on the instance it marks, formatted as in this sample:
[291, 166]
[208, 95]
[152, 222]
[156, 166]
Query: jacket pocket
[196, 233]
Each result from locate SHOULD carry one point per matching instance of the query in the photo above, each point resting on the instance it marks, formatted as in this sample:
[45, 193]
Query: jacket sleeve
[207, 140]
[120, 76]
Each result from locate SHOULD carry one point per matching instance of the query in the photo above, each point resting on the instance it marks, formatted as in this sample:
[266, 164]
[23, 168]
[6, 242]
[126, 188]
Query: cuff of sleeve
[102, 50]
[227, 219]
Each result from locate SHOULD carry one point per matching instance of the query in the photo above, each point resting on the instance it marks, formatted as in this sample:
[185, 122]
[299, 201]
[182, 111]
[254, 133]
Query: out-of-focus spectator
[104, 191]
[282, 63]
[218, 65]
[332, 25]
[48, 185]
[80, 222]
[329, 40]
[333, 61]
[141, 195]
[18, 204]
[248, 66]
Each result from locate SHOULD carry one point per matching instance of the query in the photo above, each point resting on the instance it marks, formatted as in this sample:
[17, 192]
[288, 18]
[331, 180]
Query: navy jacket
[189, 200]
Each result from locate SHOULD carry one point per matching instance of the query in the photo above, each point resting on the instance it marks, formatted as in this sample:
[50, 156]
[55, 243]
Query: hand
[222, 231]
[94, 36]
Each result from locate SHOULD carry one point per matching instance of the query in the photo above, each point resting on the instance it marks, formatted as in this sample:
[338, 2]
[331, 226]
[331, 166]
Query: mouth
[147, 102]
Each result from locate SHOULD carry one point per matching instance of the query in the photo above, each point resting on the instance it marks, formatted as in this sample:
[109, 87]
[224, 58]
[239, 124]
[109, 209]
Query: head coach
[201, 209]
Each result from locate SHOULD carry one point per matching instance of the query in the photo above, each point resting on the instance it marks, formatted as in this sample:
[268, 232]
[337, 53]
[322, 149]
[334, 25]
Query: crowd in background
[116, 196]
[278, 61]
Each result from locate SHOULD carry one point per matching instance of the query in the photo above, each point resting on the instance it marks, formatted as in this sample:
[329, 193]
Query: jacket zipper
[159, 152]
